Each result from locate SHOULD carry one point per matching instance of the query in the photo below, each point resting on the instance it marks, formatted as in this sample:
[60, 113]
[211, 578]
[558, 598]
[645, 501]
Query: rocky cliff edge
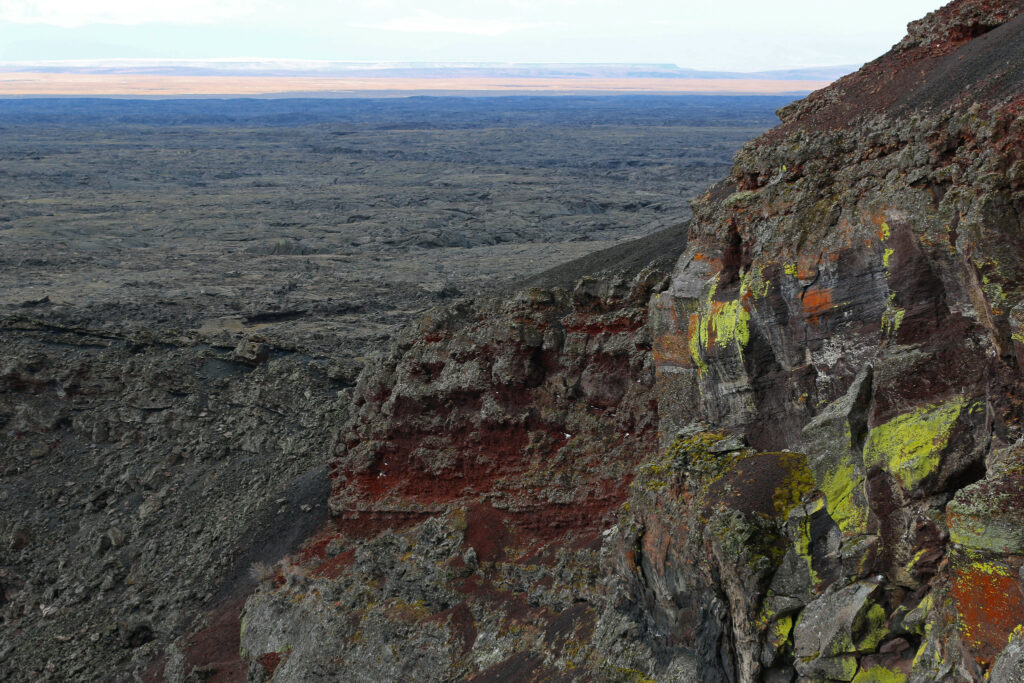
[800, 458]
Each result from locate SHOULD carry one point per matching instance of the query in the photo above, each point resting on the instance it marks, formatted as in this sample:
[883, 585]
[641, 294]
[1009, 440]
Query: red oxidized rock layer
[798, 465]
[543, 408]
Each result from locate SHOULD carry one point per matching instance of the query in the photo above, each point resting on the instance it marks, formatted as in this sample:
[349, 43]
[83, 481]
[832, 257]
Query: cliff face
[801, 460]
[487, 455]
[851, 293]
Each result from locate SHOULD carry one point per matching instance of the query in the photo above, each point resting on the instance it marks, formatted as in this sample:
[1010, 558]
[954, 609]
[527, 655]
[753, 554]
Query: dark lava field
[337, 216]
[189, 288]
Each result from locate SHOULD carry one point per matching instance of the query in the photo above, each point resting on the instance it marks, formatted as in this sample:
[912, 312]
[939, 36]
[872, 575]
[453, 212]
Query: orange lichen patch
[816, 302]
[672, 349]
[989, 604]
[655, 544]
[714, 263]
[807, 267]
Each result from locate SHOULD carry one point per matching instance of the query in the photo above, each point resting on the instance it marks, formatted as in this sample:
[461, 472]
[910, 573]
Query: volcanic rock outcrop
[802, 460]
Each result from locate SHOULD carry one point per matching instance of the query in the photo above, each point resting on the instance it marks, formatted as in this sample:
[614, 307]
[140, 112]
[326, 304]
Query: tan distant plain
[28, 83]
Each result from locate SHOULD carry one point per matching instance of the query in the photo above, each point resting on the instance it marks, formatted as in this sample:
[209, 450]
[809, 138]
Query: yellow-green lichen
[703, 465]
[727, 323]
[798, 483]
[730, 324]
[791, 269]
[878, 674]
[691, 453]
[749, 541]
[874, 629]
[803, 540]
[738, 198]
[632, 675]
[765, 615]
[989, 568]
[994, 294]
[917, 558]
[753, 281]
[781, 630]
[923, 650]
[884, 232]
[910, 446]
[893, 316]
[849, 667]
[886, 256]
[840, 485]
[695, 344]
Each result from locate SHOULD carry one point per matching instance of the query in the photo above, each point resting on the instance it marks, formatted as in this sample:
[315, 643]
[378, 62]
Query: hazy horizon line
[368, 74]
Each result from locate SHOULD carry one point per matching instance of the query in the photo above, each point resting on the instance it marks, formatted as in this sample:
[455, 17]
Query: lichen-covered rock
[1009, 667]
[799, 461]
[839, 624]
[849, 293]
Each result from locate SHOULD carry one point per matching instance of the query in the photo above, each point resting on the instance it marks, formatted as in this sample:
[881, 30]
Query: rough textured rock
[493, 446]
[800, 461]
[847, 293]
[112, 441]
[169, 396]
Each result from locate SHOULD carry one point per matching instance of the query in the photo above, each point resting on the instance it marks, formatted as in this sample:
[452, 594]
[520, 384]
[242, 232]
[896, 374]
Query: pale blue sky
[746, 35]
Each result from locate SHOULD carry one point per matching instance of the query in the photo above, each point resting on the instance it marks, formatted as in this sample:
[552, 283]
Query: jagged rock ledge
[800, 461]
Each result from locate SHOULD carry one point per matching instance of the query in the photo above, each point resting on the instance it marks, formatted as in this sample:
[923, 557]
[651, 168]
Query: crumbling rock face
[802, 461]
[485, 457]
[542, 405]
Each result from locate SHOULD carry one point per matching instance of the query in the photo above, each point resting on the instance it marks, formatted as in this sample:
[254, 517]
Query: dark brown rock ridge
[802, 461]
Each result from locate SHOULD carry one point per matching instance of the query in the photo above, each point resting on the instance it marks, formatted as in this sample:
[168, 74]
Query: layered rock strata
[486, 457]
[801, 460]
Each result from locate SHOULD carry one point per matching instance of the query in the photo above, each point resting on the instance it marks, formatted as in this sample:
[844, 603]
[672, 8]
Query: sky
[740, 35]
